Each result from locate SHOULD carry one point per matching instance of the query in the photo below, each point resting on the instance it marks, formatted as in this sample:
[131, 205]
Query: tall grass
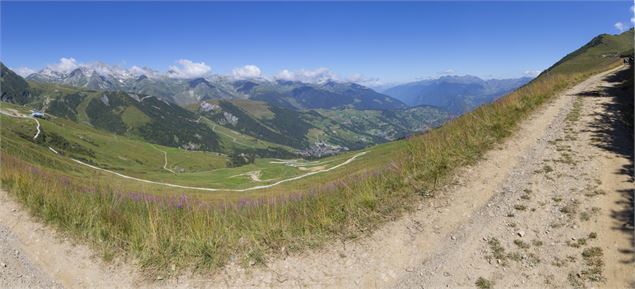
[163, 231]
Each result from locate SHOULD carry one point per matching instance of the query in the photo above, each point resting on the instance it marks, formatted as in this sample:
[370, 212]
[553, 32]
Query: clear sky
[392, 42]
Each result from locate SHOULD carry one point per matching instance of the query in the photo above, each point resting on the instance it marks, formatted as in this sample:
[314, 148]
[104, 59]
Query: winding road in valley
[346, 162]
[13, 113]
[259, 187]
[165, 157]
[551, 207]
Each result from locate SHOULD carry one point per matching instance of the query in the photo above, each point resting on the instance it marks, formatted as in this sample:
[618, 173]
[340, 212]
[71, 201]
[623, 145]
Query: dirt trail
[165, 160]
[346, 162]
[522, 217]
[35, 257]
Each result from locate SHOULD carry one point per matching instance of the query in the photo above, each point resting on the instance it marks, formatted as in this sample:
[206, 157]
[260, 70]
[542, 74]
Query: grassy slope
[601, 51]
[129, 156]
[152, 120]
[351, 128]
[133, 157]
[343, 203]
[389, 124]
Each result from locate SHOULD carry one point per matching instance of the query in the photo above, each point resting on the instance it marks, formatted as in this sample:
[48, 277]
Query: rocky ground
[17, 270]
[551, 207]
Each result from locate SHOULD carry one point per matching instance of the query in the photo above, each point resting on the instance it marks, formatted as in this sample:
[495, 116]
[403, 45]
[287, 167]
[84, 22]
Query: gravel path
[46, 260]
[16, 270]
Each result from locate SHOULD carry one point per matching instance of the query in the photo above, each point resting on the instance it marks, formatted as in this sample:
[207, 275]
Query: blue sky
[389, 42]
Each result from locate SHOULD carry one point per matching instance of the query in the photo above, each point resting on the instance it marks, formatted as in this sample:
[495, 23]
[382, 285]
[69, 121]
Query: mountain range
[183, 91]
[277, 117]
[274, 118]
[455, 94]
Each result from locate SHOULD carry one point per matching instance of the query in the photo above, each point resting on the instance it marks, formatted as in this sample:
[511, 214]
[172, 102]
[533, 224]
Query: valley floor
[551, 207]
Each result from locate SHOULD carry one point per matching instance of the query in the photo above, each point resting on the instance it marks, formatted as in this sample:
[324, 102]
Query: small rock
[12, 210]
[3, 265]
[572, 238]
[453, 237]
[521, 233]
[252, 262]
[159, 277]
[498, 261]
[173, 267]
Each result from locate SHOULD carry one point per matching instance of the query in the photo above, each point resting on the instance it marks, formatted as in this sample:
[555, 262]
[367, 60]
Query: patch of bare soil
[36, 257]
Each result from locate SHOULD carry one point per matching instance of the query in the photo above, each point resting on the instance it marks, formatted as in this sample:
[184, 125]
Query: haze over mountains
[455, 94]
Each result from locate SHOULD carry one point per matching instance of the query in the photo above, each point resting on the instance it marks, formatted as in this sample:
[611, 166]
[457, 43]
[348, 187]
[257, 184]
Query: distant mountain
[100, 76]
[214, 124]
[327, 95]
[289, 94]
[351, 128]
[456, 94]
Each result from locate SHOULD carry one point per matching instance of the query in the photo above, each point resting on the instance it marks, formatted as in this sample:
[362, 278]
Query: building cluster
[321, 149]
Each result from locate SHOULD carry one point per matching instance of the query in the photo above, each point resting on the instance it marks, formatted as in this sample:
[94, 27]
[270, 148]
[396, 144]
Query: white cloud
[619, 26]
[532, 73]
[633, 12]
[247, 71]
[285, 74]
[24, 71]
[363, 80]
[65, 65]
[357, 77]
[138, 71]
[447, 72]
[187, 69]
[317, 75]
